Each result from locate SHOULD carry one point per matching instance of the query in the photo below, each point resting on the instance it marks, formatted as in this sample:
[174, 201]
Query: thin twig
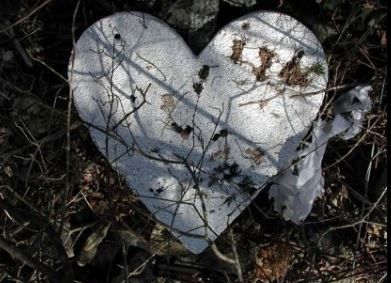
[237, 261]
[350, 225]
[261, 102]
[334, 88]
[49, 67]
[220, 255]
[367, 177]
[53, 237]
[26, 17]
[67, 186]
[20, 49]
[156, 67]
[16, 253]
[354, 147]
[382, 279]
[143, 93]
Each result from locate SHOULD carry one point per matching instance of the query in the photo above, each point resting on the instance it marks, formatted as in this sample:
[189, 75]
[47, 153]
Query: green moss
[316, 68]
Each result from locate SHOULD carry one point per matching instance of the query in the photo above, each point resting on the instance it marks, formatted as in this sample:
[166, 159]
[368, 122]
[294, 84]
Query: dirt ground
[66, 216]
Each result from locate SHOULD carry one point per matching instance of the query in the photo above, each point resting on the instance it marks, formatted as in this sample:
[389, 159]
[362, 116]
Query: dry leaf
[272, 262]
[256, 154]
[92, 243]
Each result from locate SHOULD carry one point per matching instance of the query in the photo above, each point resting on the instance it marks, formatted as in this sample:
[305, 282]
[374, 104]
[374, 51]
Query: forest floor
[66, 215]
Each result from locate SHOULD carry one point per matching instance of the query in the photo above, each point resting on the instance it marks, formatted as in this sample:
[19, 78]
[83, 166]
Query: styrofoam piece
[295, 190]
[196, 136]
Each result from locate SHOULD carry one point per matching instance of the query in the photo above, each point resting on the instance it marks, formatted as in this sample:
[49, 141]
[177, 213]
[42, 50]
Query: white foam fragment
[295, 190]
[192, 143]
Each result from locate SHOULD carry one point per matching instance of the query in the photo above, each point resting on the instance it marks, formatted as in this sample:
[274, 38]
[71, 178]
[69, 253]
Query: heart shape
[197, 137]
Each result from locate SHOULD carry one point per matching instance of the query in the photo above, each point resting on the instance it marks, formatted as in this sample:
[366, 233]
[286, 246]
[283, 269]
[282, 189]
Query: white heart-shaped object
[197, 136]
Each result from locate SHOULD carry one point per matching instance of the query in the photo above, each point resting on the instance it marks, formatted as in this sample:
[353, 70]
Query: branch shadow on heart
[195, 195]
[180, 210]
[108, 44]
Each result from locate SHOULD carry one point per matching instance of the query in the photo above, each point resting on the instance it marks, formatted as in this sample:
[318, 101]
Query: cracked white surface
[194, 179]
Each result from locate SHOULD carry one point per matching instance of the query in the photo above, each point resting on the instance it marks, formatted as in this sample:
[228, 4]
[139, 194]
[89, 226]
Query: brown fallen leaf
[92, 243]
[168, 102]
[256, 154]
[383, 40]
[237, 49]
[271, 262]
